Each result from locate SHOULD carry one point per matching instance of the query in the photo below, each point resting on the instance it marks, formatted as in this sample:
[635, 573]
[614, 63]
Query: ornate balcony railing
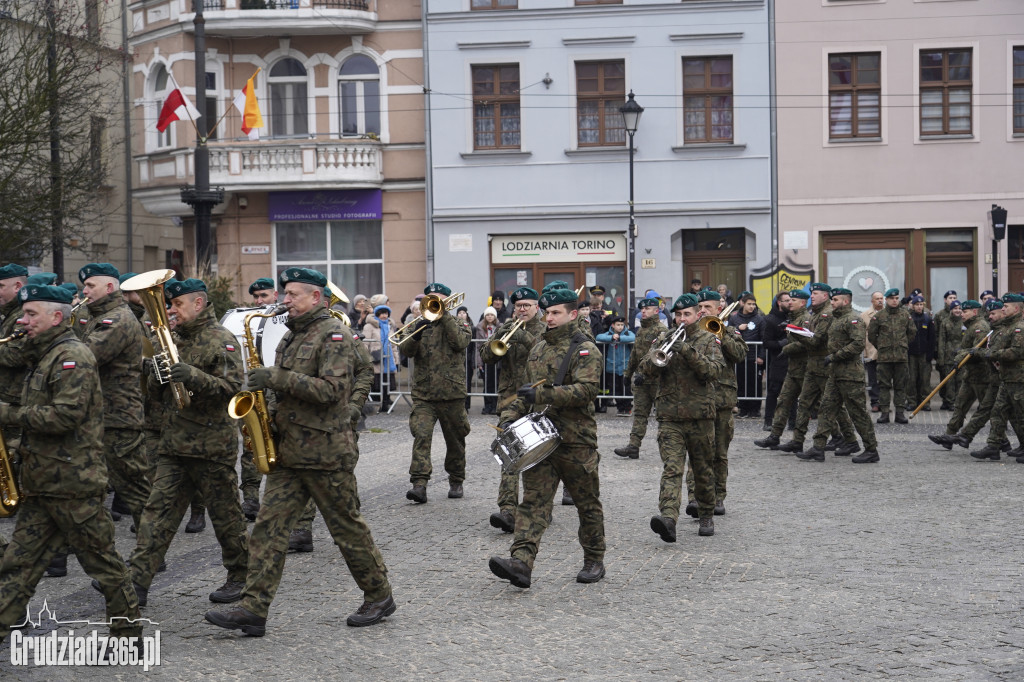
[217, 5]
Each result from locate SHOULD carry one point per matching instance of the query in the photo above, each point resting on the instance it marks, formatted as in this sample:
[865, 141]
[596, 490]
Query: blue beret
[12, 270]
[1010, 297]
[949, 293]
[917, 299]
[437, 288]
[261, 284]
[799, 293]
[993, 304]
[125, 276]
[987, 291]
[955, 304]
[303, 275]
[523, 294]
[556, 284]
[821, 286]
[556, 296]
[841, 291]
[892, 292]
[70, 286]
[98, 269]
[45, 278]
[970, 305]
[174, 288]
[648, 302]
[708, 295]
[685, 301]
[43, 292]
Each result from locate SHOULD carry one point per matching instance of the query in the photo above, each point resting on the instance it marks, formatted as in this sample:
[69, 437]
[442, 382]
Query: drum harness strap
[577, 339]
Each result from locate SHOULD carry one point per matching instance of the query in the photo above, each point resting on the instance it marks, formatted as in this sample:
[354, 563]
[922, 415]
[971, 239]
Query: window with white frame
[161, 84]
[359, 95]
[946, 82]
[854, 95]
[289, 103]
[349, 252]
[1018, 89]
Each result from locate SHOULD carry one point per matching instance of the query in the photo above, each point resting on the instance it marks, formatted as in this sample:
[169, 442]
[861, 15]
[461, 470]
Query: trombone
[432, 307]
[500, 346]
[715, 324]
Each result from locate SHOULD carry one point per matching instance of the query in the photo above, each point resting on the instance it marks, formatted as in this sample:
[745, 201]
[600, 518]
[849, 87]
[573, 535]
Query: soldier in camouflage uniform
[513, 375]
[686, 405]
[948, 331]
[734, 350]
[846, 375]
[976, 374]
[795, 372]
[1008, 355]
[311, 382]
[12, 278]
[891, 332]
[198, 446]
[63, 477]
[816, 377]
[438, 350]
[570, 366]
[645, 389]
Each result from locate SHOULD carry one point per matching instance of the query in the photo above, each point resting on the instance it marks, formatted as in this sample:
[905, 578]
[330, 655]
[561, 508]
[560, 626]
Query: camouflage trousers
[577, 467]
[1008, 407]
[675, 440]
[965, 397]
[454, 427]
[788, 396]
[251, 477]
[724, 428]
[128, 467]
[643, 402]
[952, 387]
[336, 494]
[811, 397]
[44, 525]
[893, 378]
[305, 522]
[919, 370]
[845, 397]
[175, 483]
[152, 440]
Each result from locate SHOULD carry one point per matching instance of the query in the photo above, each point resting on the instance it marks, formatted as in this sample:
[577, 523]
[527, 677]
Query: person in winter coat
[750, 323]
[774, 338]
[501, 311]
[376, 332]
[617, 345]
[471, 356]
[920, 353]
[483, 331]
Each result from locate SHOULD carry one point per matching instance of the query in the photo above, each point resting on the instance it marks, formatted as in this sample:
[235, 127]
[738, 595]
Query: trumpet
[500, 346]
[432, 307]
[715, 324]
[664, 353]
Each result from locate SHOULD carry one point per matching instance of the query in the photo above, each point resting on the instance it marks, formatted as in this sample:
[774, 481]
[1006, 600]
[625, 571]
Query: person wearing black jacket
[750, 322]
[774, 338]
[921, 353]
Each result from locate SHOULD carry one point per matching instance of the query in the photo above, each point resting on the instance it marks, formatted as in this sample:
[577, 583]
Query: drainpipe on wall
[428, 184]
[128, 215]
[774, 124]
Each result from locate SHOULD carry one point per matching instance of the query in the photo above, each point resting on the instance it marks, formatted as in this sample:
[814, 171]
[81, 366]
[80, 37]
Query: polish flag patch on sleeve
[584, 353]
[229, 347]
[83, 321]
[337, 337]
[107, 321]
[69, 364]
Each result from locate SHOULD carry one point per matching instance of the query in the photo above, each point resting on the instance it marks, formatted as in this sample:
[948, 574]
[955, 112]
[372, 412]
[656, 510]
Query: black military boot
[196, 522]
[665, 527]
[707, 527]
[770, 441]
[591, 572]
[691, 509]
[945, 440]
[1006, 446]
[813, 453]
[792, 446]
[418, 494]
[1017, 452]
[962, 441]
[455, 491]
[229, 592]
[901, 418]
[513, 570]
[883, 418]
[987, 452]
[372, 612]
[251, 508]
[833, 443]
[120, 506]
[720, 508]
[566, 497]
[239, 619]
[866, 457]
[300, 541]
[631, 451]
[504, 520]
[847, 449]
[58, 567]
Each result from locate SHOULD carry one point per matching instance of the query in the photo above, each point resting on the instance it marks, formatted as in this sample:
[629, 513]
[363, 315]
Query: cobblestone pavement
[904, 569]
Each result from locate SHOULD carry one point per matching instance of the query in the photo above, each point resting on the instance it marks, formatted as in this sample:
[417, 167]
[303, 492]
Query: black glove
[528, 393]
[972, 351]
[258, 379]
[783, 325]
[638, 379]
[181, 372]
[828, 360]
[504, 425]
[422, 323]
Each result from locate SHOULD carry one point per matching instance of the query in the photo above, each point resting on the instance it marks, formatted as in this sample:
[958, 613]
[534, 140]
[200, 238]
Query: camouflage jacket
[947, 336]
[61, 416]
[734, 350]
[817, 345]
[583, 325]
[846, 340]
[114, 336]
[1010, 352]
[513, 363]
[439, 352]
[650, 329]
[362, 371]
[312, 382]
[203, 429]
[154, 404]
[570, 406]
[12, 368]
[976, 370]
[686, 386]
[796, 352]
[891, 331]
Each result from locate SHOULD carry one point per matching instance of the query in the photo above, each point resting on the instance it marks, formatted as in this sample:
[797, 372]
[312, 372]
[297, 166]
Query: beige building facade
[900, 124]
[336, 179]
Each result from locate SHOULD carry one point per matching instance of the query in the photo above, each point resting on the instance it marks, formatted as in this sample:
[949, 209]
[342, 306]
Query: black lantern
[998, 222]
[630, 121]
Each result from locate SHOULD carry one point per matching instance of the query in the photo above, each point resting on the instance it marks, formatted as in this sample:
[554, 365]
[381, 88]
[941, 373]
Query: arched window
[161, 84]
[359, 94]
[289, 104]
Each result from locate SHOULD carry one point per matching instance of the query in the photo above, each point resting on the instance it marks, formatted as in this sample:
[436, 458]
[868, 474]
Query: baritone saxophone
[9, 497]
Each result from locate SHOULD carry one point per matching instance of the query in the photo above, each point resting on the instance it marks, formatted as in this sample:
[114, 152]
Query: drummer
[567, 370]
[263, 291]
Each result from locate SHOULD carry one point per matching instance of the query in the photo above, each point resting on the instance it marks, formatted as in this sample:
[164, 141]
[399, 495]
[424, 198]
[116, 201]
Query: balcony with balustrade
[248, 18]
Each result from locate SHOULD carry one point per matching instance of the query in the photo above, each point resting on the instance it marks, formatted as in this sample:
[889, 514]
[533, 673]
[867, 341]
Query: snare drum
[267, 332]
[525, 443]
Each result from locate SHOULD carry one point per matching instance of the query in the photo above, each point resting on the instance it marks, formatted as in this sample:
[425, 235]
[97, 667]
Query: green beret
[708, 295]
[840, 291]
[557, 296]
[70, 286]
[685, 301]
[970, 305]
[892, 292]
[746, 293]
[174, 288]
[43, 292]
[261, 284]
[821, 286]
[524, 294]
[648, 302]
[993, 304]
[799, 293]
[44, 278]
[98, 269]
[437, 288]
[12, 270]
[1010, 297]
[303, 275]
[556, 284]
[125, 276]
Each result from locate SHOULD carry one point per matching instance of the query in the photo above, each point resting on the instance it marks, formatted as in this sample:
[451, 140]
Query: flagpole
[258, 69]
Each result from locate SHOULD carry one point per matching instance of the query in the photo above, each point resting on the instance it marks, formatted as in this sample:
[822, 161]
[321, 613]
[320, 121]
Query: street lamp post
[998, 215]
[631, 112]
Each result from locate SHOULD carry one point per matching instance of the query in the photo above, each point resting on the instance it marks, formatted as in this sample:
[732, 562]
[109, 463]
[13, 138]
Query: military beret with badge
[555, 284]
[12, 270]
[889, 293]
[303, 276]
[523, 294]
[437, 288]
[799, 293]
[841, 291]
[175, 288]
[685, 301]
[98, 270]
[821, 286]
[707, 295]
[261, 284]
[970, 304]
[43, 278]
[993, 304]
[46, 293]
[648, 302]
[1011, 297]
[556, 297]
[125, 276]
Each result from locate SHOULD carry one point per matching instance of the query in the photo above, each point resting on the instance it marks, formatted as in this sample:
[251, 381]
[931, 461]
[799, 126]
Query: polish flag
[176, 107]
[249, 108]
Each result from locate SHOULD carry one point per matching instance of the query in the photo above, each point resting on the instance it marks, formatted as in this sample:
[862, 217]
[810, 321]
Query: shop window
[1018, 90]
[289, 104]
[349, 252]
[494, 4]
[359, 92]
[863, 271]
[496, 119]
[600, 91]
[854, 95]
[707, 99]
[946, 83]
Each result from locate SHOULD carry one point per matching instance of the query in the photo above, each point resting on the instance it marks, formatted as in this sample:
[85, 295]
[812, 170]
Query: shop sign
[765, 287]
[352, 204]
[554, 248]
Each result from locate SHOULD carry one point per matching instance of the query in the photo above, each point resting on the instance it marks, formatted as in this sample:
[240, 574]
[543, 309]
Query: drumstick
[508, 401]
[497, 428]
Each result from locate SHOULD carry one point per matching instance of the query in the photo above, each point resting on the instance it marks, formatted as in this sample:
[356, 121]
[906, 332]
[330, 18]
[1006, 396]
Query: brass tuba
[150, 286]
[335, 296]
[251, 406]
[9, 497]
[715, 324]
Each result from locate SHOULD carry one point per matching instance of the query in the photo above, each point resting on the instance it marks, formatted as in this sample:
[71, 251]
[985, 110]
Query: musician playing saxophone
[686, 417]
[12, 373]
[570, 367]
